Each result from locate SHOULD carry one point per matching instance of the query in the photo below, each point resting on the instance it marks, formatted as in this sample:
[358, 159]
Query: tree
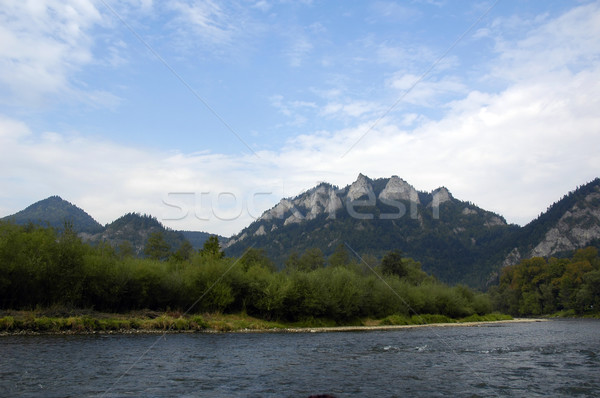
[292, 262]
[340, 257]
[392, 264]
[184, 252]
[212, 248]
[258, 257]
[312, 259]
[125, 249]
[156, 246]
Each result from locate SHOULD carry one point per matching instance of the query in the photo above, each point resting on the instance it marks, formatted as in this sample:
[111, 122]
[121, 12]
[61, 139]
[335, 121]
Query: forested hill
[455, 240]
[54, 212]
[539, 286]
[450, 237]
[129, 232]
[569, 224]
[133, 230]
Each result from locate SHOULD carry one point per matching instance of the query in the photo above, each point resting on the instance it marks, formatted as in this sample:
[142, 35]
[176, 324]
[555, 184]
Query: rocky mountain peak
[441, 195]
[398, 189]
[360, 188]
[322, 199]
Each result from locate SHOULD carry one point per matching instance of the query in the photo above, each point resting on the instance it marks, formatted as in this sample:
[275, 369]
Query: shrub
[7, 323]
[395, 320]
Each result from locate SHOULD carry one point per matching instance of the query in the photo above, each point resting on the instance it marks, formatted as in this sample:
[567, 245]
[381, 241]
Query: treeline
[40, 267]
[538, 286]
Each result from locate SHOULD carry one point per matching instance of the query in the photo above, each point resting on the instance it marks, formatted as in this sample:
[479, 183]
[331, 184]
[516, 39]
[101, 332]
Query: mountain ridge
[455, 240]
[132, 227]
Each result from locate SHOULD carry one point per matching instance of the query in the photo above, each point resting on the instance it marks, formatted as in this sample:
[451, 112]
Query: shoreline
[397, 327]
[321, 329]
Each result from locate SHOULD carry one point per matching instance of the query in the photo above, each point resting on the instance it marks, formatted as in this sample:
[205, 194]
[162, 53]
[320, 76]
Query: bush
[7, 323]
[393, 320]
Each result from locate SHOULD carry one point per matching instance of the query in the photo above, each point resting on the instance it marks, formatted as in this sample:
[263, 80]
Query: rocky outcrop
[398, 189]
[360, 189]
[440, 196]
[260, 231]
[575, 229]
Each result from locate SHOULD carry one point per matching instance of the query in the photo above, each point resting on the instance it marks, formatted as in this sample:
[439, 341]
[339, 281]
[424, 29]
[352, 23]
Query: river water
[555, 358]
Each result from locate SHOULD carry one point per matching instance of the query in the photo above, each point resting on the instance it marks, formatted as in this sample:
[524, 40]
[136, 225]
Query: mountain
[569, 224]
[197, 238]
[54, 212]
[132, 227]
[135, 228]
[452, 239]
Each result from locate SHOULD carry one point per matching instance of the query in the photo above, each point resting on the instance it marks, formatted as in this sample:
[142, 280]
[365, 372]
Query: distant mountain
[197, 238]
[135, 228]
[453, 239]
[54, 212]
[132, 227]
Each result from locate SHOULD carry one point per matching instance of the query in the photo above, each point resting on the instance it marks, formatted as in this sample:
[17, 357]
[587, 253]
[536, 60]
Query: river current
[555, 358]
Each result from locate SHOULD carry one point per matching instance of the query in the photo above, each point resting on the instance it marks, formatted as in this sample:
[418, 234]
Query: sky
[206, 113]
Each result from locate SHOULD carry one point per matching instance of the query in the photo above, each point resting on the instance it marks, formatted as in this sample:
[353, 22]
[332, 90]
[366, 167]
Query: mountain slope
[135, 228]
[55, 211]
[569, 224]
[197, 238]
[450, 237]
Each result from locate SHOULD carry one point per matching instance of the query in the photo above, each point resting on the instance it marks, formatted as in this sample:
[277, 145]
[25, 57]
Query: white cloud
[298, 51]
[514, 151]
[206, 18]
[349, 108]
[571, 41]
[41, 45]
[425, 92]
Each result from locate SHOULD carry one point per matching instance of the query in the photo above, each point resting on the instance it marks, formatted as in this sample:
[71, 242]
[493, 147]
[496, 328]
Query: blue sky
[206, 113]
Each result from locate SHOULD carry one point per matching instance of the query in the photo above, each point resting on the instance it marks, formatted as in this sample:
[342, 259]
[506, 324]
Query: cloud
[206, 18]
[41, 45]
[298, 51]
[569, 42]
[426, 92]
[392, 12]
[349, 109]
[514, 150]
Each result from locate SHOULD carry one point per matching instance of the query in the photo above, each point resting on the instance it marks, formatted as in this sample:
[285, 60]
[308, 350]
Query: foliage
[212, 248]
[156, 247]
[391, 264]
[40, 267]
[538, 286]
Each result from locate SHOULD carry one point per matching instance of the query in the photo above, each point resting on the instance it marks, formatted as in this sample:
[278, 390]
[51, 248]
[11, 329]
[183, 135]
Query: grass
[50, 321]
[572, 314]
[426, 319]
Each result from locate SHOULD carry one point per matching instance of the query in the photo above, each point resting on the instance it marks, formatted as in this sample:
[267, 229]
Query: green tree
[212, 248]
[258, 257]
[125, 249]
[340, 257]
[184, 252]
[156, 246]
[312, 259]
[292, 262]
[392, 264]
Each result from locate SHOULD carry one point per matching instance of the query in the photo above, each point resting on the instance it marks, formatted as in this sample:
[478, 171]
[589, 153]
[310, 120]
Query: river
[555, 358]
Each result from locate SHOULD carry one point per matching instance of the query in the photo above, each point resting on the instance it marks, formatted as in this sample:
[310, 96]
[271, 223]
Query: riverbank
[395, 327]
[144, 322]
